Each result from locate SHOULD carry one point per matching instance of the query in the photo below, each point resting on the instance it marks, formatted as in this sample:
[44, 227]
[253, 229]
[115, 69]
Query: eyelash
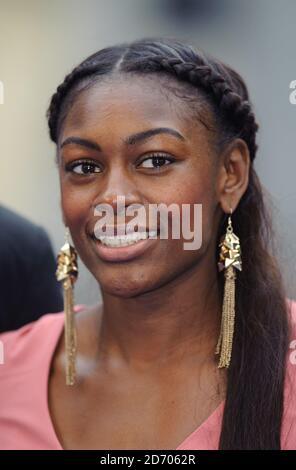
[71, 166]
[161, 156]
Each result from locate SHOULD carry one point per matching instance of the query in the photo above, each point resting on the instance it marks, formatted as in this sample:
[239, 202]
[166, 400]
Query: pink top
[25, 421]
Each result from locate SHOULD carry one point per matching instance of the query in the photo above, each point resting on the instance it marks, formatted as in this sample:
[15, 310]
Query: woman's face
[108, 162]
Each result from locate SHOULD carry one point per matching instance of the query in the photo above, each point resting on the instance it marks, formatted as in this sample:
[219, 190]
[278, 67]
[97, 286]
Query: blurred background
[41, 41]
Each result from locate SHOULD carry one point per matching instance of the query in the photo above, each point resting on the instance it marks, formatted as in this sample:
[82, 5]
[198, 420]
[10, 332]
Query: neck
[178, 321]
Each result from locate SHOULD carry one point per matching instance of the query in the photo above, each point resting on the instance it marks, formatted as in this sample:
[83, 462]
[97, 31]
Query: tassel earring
[229, 260]
[67, 272]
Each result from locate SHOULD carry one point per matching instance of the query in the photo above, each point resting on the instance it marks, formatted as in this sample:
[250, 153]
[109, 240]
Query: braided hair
[253, 409]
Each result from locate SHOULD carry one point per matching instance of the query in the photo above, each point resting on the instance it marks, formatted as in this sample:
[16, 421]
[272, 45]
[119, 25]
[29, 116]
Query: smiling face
[131, 137]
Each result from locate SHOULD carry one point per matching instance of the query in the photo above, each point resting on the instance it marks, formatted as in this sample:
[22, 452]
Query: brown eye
[155, 161]
[84, 168]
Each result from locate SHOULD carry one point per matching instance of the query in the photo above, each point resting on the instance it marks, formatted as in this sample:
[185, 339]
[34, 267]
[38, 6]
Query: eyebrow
[131, 140]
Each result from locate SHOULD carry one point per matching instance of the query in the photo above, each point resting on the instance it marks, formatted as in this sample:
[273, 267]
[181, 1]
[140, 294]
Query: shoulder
[25, 347]
[29, 346]
[292, 322]
[20, 236]
[289, 414]
[291, 359]
[17, 225]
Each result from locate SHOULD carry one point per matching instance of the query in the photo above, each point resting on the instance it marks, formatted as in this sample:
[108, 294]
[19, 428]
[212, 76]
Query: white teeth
[124, 240]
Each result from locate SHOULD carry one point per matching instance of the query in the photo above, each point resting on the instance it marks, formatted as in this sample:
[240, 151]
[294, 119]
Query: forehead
[129, 101]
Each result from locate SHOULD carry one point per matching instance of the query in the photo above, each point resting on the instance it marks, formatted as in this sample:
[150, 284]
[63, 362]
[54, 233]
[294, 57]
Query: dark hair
[255, 379]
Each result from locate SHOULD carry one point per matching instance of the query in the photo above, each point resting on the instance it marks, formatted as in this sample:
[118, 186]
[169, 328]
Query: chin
[127, 284]
[123, 289]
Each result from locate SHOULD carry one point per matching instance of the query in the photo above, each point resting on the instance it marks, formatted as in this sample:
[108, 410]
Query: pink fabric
[25, 421]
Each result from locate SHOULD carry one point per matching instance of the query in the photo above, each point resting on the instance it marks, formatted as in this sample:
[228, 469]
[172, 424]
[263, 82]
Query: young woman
[157, 121]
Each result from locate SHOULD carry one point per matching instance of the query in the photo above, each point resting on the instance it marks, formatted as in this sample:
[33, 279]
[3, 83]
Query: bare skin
[147, 374]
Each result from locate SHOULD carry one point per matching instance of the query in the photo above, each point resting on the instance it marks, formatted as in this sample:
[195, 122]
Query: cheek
[76, 203]
[193, 182]
[195, 187]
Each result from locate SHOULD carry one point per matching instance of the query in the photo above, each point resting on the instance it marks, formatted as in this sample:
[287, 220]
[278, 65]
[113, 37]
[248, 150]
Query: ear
[233, 178]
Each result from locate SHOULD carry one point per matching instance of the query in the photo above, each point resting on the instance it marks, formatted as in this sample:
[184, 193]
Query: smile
[124, 247]
[126, 240]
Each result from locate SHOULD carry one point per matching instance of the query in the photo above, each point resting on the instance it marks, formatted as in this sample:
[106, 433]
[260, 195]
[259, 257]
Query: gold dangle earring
[67, 272]
[230, 258]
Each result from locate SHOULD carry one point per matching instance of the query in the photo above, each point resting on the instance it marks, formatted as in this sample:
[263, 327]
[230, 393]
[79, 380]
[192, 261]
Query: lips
[124, 253]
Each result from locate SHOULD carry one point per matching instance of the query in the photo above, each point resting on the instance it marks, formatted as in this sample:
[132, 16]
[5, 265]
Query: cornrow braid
[88, 68]
[53, 111]
[232, 106]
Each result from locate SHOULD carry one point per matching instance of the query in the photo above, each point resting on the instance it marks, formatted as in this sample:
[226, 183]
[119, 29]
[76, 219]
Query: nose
[118, 191]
